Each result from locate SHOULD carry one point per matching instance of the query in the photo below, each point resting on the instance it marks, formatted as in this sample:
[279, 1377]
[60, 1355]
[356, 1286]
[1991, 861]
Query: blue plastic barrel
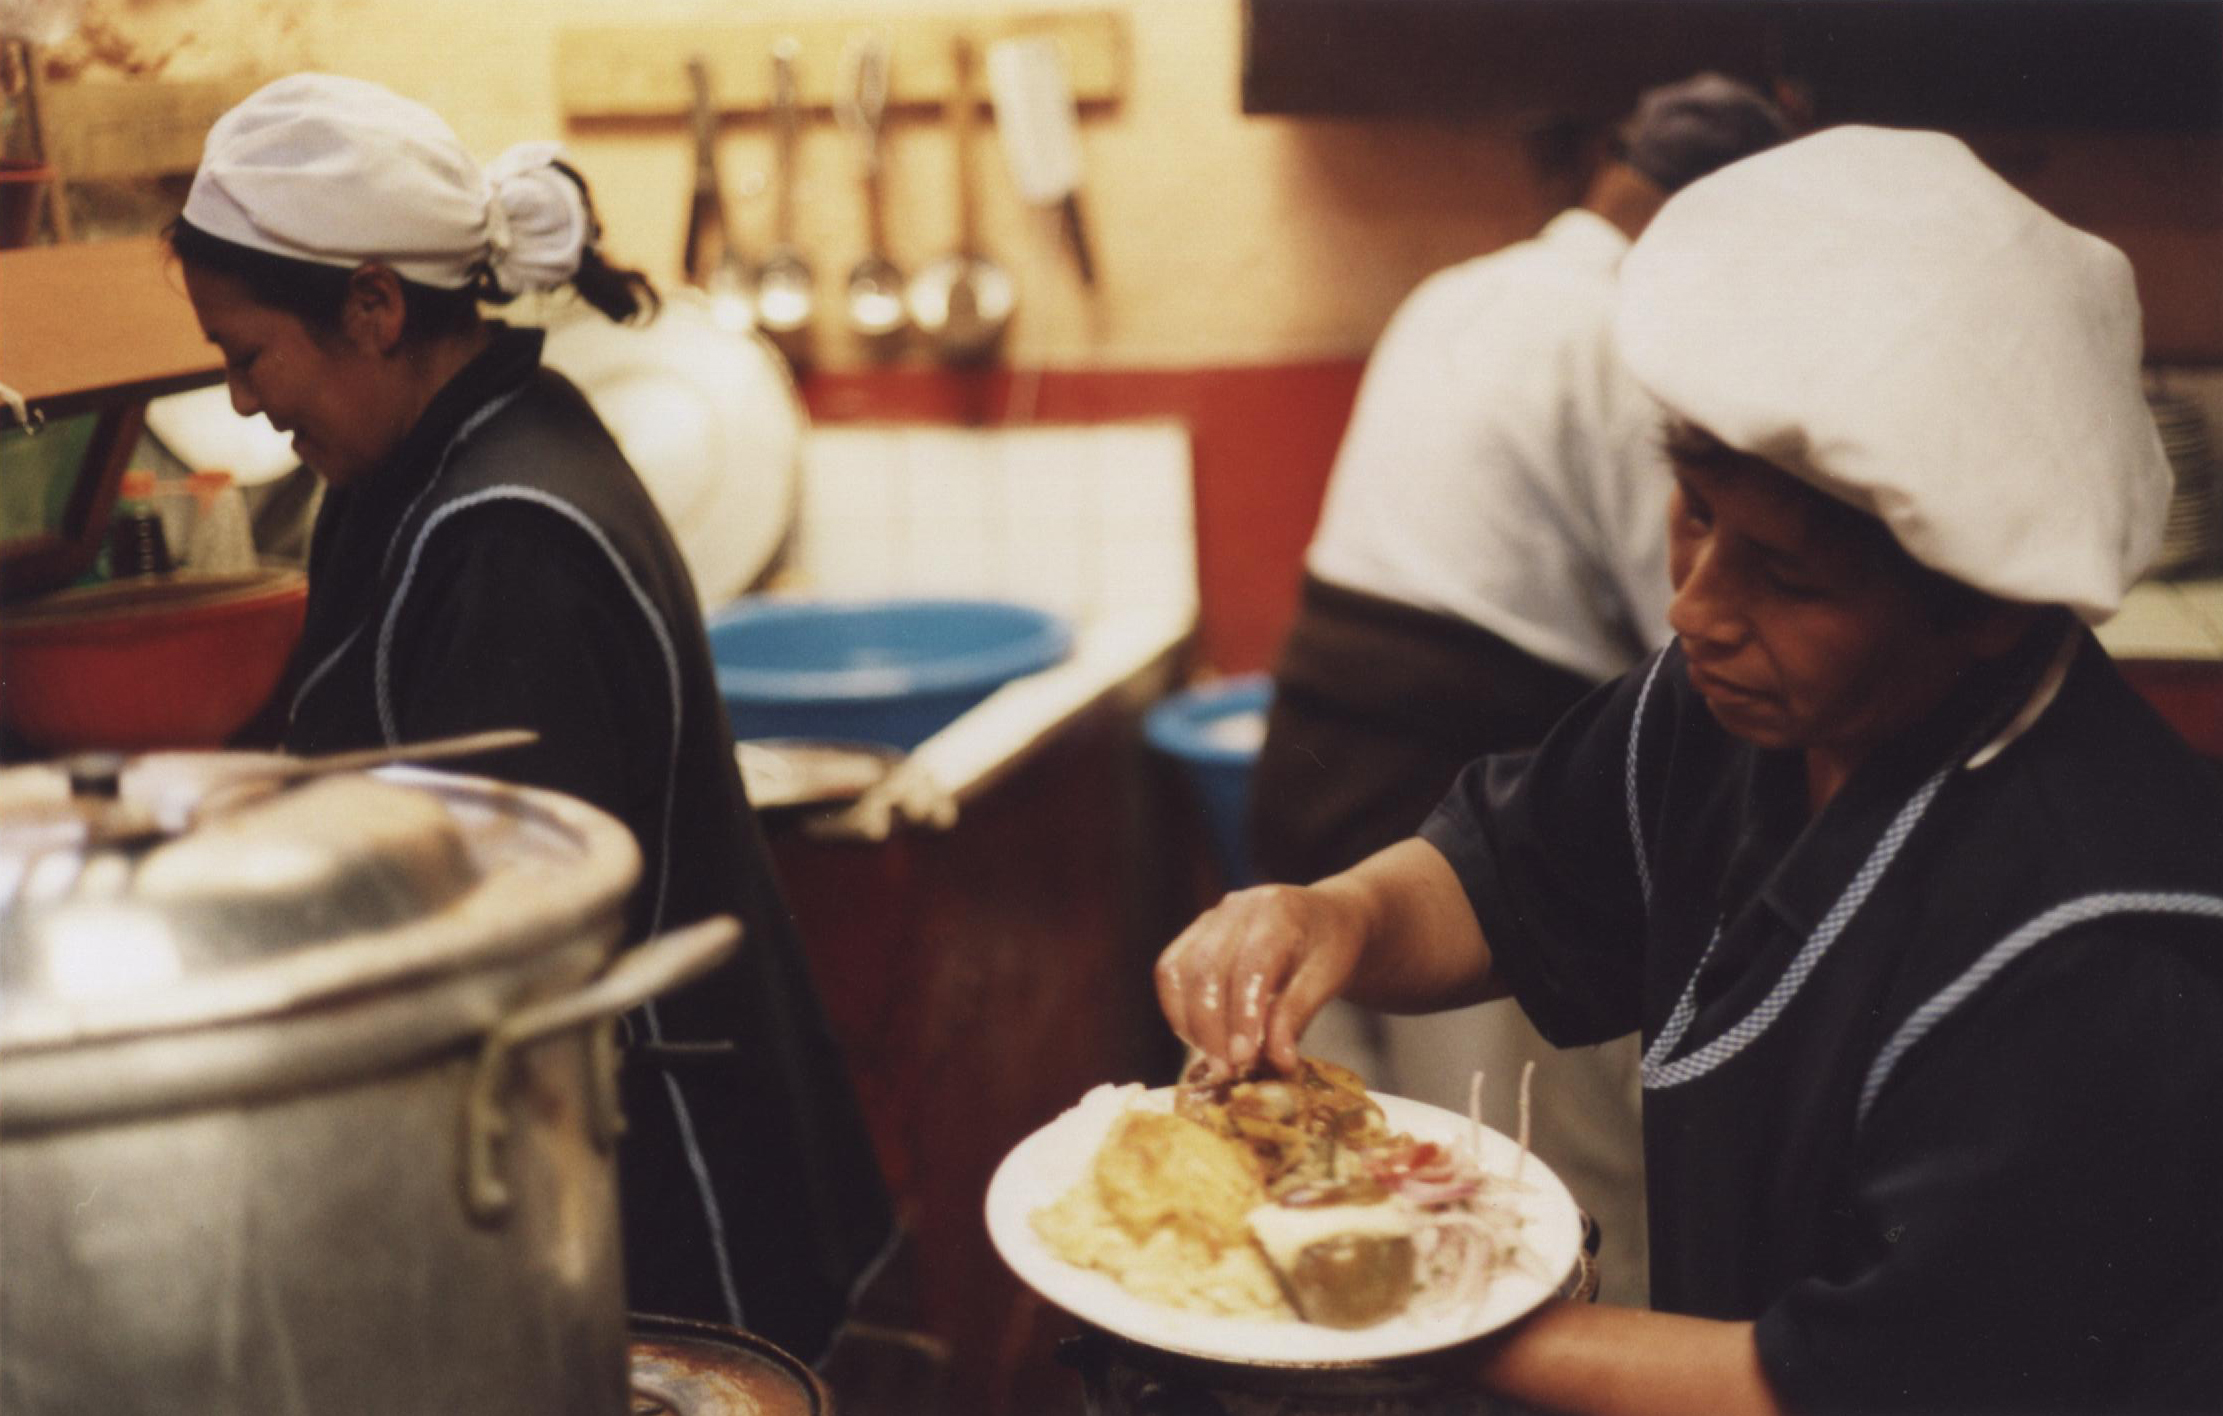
[891, 671]
[1214, 732]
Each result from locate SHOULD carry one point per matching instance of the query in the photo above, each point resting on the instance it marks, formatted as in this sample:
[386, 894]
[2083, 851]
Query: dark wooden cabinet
[2114, 64]
[980, 979]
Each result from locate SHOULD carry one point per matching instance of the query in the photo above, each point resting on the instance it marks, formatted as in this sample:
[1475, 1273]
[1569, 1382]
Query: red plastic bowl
[161, 661]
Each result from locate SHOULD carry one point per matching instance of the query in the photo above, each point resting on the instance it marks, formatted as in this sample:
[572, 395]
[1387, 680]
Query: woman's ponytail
[619, 292]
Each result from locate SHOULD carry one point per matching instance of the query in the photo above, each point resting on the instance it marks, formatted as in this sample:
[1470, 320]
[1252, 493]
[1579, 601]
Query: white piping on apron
[696, 1163]
[1628, 785]
[469, 426]
[633, 587]
[2062, 916]
[1658, 1073]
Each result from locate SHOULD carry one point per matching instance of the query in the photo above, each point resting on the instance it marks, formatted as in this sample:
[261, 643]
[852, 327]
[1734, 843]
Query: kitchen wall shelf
[619, 72]
[93, 330]
[93, 324]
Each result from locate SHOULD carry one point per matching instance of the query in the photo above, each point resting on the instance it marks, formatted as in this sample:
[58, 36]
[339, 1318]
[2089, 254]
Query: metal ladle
[711, 259]
[964, 299]
[784, 295]
[875, 295]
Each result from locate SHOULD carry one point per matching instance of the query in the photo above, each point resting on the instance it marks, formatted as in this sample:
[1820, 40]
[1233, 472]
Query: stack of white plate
[710, 420]
[2192, 539]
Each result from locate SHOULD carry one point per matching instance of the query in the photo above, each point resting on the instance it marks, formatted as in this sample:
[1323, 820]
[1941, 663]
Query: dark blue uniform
[505, 568]
[1930, 1076]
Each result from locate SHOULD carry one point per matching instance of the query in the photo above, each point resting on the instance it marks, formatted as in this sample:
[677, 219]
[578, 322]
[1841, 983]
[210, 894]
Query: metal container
[1122, 1378]
[309, 1102]
[683, 1368]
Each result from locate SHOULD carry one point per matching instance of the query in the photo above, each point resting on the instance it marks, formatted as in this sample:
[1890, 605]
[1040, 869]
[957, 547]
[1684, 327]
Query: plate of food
[1282, 1220]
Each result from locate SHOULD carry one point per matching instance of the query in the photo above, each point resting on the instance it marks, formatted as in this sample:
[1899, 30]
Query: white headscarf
[1879, 314]
[339, 171]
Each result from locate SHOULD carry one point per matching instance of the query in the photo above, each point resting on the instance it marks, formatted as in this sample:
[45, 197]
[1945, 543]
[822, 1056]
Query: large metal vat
[307, 1096]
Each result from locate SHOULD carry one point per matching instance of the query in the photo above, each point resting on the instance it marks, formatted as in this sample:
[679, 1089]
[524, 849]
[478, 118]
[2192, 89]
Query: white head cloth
[1879, 314]
[339, 171]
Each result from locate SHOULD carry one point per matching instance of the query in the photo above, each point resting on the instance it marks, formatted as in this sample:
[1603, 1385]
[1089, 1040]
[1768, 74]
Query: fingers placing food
[1204, 976]
[1188, 988]
[1318, 978]
[1244, 979]
[1272, 936]
[1172, 988]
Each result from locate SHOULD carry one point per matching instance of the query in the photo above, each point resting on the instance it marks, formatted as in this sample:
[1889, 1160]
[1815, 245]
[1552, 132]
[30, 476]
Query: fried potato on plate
[1163, 1210]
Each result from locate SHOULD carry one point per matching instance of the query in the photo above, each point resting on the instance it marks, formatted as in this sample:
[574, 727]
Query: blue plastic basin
[891, 671]
[1215, 732]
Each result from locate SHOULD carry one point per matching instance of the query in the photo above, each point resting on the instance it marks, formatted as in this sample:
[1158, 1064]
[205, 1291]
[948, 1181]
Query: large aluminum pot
[307, 1104]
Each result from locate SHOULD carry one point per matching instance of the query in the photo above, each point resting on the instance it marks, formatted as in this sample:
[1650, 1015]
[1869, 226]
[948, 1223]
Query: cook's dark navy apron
[751, 1194]
[1829, 1072]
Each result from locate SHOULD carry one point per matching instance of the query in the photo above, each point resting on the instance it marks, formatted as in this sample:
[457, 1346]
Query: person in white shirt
[1492, 546]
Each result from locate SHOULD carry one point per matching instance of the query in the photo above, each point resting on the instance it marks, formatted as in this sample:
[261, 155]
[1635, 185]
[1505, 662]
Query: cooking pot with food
[310, 1092]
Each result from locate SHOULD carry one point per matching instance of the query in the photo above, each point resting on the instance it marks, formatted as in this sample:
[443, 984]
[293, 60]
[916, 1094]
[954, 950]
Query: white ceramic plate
[1046, 1164]
[710, 420]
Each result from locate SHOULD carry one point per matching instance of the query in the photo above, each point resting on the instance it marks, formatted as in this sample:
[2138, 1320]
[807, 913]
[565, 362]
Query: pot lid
[181, 889]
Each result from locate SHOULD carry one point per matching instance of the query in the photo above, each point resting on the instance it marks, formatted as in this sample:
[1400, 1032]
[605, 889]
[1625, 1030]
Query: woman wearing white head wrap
[1917, 908]
[357, 213]
[485, 557]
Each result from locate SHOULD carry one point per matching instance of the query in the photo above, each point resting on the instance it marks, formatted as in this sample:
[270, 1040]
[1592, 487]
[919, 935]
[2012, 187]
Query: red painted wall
[1262, 438]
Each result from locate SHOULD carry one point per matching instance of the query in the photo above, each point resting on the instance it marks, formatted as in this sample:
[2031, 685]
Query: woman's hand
[1599, 1360]
[1246, 977]
[1395, 930]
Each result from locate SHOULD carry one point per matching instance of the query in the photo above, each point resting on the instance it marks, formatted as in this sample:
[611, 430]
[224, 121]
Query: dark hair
[1949, 602]
[314, 293]
[619, 292]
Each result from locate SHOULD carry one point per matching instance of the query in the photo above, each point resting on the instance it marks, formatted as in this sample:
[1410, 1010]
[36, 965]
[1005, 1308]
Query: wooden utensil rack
[634, 72]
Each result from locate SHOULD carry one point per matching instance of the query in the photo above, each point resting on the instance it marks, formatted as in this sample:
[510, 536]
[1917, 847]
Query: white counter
[2168, 620]
[1096, 523]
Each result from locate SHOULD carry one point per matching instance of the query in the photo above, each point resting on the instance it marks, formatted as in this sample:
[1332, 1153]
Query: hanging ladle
[783, 283]
[963, 300]
[875, 295]
[711, 259]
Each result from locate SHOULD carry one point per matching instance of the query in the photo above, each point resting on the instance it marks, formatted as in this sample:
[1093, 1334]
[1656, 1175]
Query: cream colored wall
[1219, 239]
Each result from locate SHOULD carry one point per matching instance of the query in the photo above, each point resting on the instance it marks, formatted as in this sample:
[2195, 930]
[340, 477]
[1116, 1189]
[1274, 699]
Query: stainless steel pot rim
[508, 917]
[340, 1042]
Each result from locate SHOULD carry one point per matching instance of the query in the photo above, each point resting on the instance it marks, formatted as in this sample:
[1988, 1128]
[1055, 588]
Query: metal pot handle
[640, 974]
